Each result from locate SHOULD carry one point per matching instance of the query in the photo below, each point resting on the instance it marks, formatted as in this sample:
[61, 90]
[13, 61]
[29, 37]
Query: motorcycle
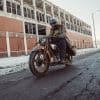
[46, 54]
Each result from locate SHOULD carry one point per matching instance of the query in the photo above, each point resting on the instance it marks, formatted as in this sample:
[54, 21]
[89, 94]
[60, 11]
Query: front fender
[37, 47]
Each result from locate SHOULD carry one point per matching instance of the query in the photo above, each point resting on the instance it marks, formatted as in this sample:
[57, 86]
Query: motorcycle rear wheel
[38, 63]
[69, 61]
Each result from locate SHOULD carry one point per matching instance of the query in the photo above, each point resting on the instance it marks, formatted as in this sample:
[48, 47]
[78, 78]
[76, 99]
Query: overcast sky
[82, 9]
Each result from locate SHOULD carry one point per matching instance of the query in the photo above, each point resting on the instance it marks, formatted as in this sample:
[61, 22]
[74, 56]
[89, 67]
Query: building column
[59, 15]
[25, 39]
[34, 4]
[65, 19]
[8, 44]
[5, 8]
[52, 10]
[44, 8]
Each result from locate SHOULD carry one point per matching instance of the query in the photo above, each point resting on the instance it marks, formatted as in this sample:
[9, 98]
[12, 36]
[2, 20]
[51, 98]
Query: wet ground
[79, 81]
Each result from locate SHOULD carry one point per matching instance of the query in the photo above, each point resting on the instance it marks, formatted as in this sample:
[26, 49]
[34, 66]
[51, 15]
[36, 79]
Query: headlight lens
[42, 40]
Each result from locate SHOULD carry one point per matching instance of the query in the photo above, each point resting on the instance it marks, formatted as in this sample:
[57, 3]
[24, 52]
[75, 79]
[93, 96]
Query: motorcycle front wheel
[38, 63]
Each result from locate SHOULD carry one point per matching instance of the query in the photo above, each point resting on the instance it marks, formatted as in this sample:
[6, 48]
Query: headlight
[53, 46]
[42, 40]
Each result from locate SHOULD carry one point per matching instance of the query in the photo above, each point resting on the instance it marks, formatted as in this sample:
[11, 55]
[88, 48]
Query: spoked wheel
[38, 63]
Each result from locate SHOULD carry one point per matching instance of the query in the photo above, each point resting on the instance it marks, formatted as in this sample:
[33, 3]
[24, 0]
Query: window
[26, 27]
[25, 12]
[39, 4]
[18, 10]
[8, 4]
[40, 17]
[48, 19]
[72, 27]
[13, 8]
[71, 19]
[41, 30]
[77, 22]
[29, 13]
[67, 18]
[79, 29]
[76, 28]
[33, 28]
[32, 13]
[37, 16]
[30, 28]
[68, 25]
[61, 15]
[1, 4]
[43, 19]
[30, 2]
[74, 21]
[48, 9]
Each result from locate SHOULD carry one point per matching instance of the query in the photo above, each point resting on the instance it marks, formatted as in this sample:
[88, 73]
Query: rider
[61, 40]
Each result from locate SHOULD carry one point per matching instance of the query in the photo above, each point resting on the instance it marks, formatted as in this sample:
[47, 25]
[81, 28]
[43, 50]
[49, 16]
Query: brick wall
[80, 41]
[10, 25]
[3, 45]
[17, 39]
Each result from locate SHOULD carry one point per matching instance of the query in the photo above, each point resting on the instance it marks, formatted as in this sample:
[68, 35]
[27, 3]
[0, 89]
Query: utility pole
[95, 39]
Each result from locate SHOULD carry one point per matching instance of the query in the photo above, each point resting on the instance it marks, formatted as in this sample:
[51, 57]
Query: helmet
[53, 22]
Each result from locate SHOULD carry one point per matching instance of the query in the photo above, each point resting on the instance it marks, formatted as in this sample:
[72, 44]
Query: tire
[69, 61]
[33, 67]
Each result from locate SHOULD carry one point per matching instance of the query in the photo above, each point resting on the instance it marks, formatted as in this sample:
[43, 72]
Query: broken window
[48, 9]
[13, 8]
[1, 4]
[8, 4]
[18, 10]
[39, 4]
[30, 2]
[18, 1]
[55, 11]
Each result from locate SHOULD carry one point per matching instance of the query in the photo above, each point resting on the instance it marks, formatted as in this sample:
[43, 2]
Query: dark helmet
[53, 22]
